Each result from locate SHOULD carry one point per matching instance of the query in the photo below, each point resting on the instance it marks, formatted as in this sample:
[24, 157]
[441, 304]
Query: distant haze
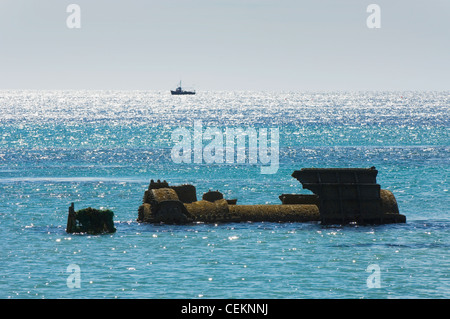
[225, 45]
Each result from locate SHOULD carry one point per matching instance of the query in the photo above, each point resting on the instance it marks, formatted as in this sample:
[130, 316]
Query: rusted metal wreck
[341, 196]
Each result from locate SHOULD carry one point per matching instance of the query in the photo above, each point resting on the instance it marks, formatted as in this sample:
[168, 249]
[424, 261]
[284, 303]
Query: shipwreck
[90, 221]
[340, 196]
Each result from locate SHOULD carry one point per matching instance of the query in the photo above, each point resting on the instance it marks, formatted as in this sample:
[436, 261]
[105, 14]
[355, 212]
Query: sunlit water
[101, 148]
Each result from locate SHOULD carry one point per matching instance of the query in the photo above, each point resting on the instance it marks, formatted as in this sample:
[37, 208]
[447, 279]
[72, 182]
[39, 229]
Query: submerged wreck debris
[350, 195]
[341, 196]
[90, 220]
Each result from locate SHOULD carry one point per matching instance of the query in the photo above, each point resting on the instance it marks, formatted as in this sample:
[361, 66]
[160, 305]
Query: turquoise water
[101, 148]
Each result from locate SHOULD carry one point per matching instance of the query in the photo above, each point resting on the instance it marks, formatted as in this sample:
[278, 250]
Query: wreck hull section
[341, 196]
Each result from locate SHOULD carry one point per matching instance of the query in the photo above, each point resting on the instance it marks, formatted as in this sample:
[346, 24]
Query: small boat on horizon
[180, 91]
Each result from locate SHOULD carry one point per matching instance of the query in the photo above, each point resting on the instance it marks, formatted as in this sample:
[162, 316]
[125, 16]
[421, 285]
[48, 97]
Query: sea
[100, 149]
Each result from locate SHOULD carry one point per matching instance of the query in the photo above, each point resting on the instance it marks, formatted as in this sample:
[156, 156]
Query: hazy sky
[225, 45]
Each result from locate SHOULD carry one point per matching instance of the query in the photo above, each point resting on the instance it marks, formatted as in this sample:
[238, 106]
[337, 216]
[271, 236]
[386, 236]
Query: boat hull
[182, 93]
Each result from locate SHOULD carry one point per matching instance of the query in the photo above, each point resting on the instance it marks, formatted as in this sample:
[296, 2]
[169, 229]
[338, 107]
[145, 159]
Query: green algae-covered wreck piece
[341, 196]
[90, 221]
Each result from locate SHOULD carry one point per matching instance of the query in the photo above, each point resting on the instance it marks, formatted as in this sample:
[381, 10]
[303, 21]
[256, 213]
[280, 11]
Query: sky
[275, 45]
